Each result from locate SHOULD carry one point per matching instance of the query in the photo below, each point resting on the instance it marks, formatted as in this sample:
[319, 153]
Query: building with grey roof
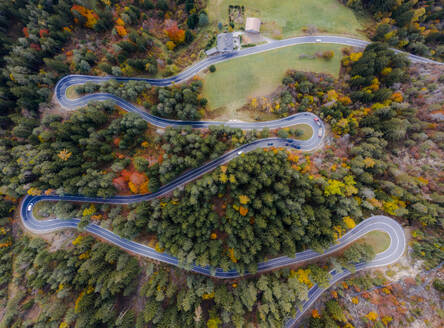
[226, 42]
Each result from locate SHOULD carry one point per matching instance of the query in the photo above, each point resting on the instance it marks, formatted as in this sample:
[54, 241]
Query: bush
[438, 284]
[203, 19]
[212, 68]
[327, 55]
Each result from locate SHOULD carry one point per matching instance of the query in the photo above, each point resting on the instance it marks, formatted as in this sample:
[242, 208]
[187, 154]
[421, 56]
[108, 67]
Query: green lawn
[286, 18]
[379, 240]
[241, 78]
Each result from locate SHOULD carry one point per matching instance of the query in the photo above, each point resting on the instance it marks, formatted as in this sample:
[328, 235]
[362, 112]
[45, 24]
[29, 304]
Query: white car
[239, 152]
[29, 207]
[318, 40]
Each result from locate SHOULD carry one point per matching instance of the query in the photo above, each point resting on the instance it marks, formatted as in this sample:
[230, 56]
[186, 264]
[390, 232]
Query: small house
[253, 25]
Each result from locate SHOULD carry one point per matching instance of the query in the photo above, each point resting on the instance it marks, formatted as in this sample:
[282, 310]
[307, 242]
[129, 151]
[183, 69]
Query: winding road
[191, 71]
[381, 223]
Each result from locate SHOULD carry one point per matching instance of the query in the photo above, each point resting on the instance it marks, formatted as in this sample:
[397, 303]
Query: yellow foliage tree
[390, 207]
[303, 276]
[158, 248]
[349, 222]
[77, 240]
[223, 178]
[243, 199]
[134, 189]
[397, 97]
[369, 162]
[208, 296]
[332, 95]
[349, 186]
[64, 155]
[334, 187]
[231, 255]
[89, 210]
[292, 157]
[386, 320]
[34, 191]
[418, 13]
[355, 56]
[213, 323]
[253, 103]
[372, 316]
[386, 71]
[345, 100]
[170, 45]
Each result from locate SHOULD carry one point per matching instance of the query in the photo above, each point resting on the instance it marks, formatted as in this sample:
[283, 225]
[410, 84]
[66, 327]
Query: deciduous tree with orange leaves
[175, 34]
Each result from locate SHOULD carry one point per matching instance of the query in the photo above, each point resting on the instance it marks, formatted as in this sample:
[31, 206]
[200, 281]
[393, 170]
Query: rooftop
[253, 24]
[225, 42]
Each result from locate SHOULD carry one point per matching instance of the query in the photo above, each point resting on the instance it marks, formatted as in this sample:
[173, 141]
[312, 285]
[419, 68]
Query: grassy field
[257, 75]
[286, 18]
[71, 92]
[306, 130]
[379, 240]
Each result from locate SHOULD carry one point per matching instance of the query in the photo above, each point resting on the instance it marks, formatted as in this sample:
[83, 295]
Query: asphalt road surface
[381, 223]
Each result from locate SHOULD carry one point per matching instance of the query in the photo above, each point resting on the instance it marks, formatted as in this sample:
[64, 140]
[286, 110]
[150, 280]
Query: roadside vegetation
[413, 26]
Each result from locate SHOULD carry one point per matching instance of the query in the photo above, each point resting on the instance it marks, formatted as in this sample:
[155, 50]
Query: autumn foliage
[121, 30]
[134, 181]
[174, 33]
[90, 15]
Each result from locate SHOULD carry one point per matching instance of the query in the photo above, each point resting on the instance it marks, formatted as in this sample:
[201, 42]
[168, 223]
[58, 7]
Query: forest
[383, 155]
[411, 25]
[52, 38]
[179, 102]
